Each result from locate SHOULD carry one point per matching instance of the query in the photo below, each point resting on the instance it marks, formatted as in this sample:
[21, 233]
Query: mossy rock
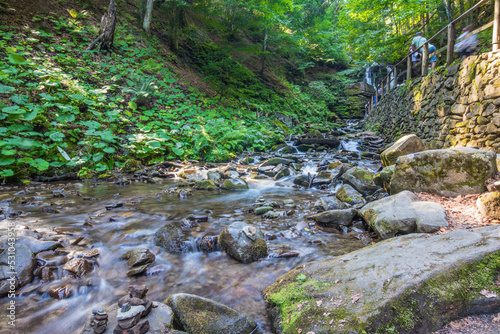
[360, 179]
[349, 195]
[383, 178]
[263, 209]
[235, 184]
[305, 148]
[205, 185]
[405, 145]
[276, 162]
[131, 166]
[489, 204]
[409, 284]
[239, 246]
[447, 172]
[198, 315]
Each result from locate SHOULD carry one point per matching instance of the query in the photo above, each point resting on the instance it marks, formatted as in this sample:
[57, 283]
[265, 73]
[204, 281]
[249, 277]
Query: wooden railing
[385, 86]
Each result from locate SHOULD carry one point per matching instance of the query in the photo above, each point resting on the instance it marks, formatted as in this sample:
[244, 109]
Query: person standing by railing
[466, 46]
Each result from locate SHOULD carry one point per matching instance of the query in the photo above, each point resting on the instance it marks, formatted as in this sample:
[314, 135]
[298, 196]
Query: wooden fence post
[451, 44]
[495, 39]
[376, 95]
[388, 82]
[425, 59]
[382, 92]
[408, 68]
[395, 77]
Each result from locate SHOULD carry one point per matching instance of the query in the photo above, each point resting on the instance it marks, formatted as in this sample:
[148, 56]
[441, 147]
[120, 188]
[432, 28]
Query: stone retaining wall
[458, 106]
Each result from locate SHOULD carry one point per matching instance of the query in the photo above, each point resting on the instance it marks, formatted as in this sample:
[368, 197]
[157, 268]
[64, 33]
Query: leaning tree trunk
[107, 30]
[147, 16]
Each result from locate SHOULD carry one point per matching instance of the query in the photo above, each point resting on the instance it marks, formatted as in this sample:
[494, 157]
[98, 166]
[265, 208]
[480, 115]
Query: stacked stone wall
[455, 106]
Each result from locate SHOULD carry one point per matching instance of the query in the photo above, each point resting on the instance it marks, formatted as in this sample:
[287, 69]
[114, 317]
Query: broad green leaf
[65, 118]
[13, 110]
[40, 164]
[31, 116]
[57, 136]
[109, 150]
[132, 105]
[6, 173]
[6, 161]
[6, 89]
[177, 151]
[16, 59]
[63, 153]
[98, 157]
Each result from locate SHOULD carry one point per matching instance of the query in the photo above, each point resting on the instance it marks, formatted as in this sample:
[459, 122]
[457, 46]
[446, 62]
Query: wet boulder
[409, 284]
[262, 209]
[23, 268]
[335, 218]
[323, 177]
[301, 180]
[337, 168]
[235, 184]
[383, 178]
[403, 213]
[281, 172]
[329, 203]
[360, 179]
[351, 196]
[138, 257]
[205, 185]
[172, 237]
[489, 204]
[193, 174]
[289, 150]
[243, 242]
[305, 147]
[447, 172]
[276, 162]
[404, 146]
[78, 267]
[214, 176]
[33, 244]
[198, 315]
[319, 141]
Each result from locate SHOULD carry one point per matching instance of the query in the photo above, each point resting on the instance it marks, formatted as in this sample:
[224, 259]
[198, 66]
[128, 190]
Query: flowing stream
[146, 208]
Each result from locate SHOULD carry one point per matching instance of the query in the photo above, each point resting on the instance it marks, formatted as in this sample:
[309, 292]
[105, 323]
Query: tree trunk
[107, 30]
[263, 55]
[147, 16]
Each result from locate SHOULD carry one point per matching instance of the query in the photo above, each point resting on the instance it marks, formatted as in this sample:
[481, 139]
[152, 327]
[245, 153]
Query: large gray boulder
[410, 284]
[404, 146]
[334, 218]
[199, 315]
[448, 172]
[23, 268]
[402, 214]
[235, 184]
[243, 242]
[360, 179]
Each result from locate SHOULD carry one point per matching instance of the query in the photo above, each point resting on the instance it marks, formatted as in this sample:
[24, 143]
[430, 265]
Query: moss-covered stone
[131, 166]
[449, 172]
[235, 184]
[198, 315]
[205, 185]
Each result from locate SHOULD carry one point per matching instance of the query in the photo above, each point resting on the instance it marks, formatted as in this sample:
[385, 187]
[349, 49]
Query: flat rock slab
[408, 284]
[448, 172]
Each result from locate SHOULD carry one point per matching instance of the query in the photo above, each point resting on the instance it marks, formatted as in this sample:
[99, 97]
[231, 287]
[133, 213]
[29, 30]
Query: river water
[146, 208]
